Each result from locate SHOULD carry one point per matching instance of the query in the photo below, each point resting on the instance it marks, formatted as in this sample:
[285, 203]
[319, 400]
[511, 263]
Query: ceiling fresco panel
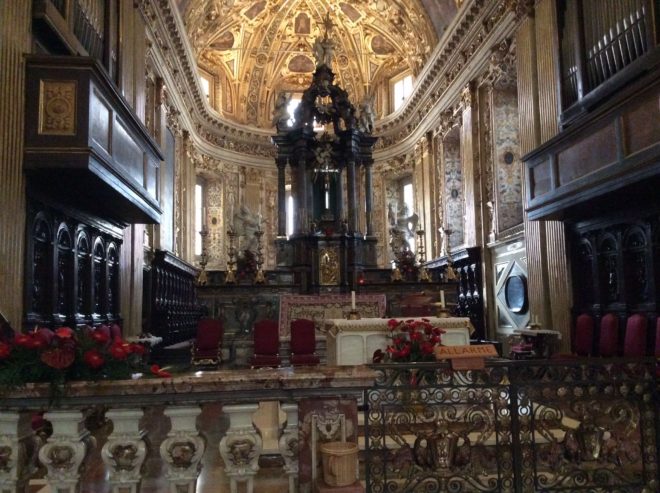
[264, 47]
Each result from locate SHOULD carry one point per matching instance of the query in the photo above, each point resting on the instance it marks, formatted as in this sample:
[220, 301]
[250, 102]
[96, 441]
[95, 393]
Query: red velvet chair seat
[266, 344]
[207, 346]
[608, 342]
[634, 342]
[584, 335]
[583, 341]
[303, 343]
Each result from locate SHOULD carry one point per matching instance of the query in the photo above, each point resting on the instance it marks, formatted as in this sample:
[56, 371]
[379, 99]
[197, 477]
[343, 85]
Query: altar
[353, 342]
[328, 306]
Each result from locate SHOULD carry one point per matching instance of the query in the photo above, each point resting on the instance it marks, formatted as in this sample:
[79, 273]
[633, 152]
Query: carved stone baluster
[65, 450]
[241, 446]
[183, 449]
[15, 440]
[125, 450]
[288, 444]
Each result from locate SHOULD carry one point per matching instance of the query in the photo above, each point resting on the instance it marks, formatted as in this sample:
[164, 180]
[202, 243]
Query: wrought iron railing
[513, 427]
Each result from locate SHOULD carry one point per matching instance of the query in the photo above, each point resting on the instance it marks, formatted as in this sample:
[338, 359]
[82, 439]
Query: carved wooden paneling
[71, 268]
[615, 265]
[173, 308]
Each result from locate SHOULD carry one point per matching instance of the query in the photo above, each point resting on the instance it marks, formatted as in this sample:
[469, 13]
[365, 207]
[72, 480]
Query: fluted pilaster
[15, 36]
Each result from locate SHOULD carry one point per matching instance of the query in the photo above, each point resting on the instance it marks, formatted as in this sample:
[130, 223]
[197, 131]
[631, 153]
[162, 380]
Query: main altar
[326, 148]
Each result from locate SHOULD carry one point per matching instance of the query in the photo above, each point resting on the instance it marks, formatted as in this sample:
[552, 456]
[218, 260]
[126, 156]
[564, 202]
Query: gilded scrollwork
[57, 107]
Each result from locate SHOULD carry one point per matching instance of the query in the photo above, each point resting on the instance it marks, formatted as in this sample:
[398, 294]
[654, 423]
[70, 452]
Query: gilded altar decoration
[328, 267]
[57, 107]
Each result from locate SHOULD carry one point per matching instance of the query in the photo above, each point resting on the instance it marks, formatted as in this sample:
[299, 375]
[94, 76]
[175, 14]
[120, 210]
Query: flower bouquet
[61, 355]
[412, 341]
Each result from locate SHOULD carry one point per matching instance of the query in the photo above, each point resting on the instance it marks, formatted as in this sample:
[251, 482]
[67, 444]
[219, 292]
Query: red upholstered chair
[303, 343]
[583, 340]
[115, 332]
[608, 343]
[584, 335]
[266, 344]
[206, 349]
[105, 330]
[634, 342]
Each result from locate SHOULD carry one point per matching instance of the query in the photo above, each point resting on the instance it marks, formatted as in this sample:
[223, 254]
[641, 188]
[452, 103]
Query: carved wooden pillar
[368, 195]
[281, 197]
[125, 450]
[183, 449]
[65, 450]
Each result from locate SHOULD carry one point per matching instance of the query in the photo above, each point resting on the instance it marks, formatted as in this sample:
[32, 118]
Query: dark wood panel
[641, 126]
[588, 155]
[72, 269]
[172, 310]
[79, 122]
[615, 152]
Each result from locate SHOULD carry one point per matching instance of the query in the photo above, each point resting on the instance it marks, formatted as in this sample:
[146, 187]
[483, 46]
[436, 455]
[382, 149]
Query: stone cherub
[281, 112]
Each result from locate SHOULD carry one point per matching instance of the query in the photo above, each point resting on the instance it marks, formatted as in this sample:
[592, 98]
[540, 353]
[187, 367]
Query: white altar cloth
[353, 342]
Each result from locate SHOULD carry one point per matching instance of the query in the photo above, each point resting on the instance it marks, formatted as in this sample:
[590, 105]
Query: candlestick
[352, 300]
[442, 298]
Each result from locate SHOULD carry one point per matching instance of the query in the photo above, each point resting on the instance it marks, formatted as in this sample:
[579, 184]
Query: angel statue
[281, 112]
[323, 51]
[365, 115]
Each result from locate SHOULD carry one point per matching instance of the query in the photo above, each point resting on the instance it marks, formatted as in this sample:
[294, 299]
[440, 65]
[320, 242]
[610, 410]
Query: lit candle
[204, 217]
[352, 300]
[442, 298]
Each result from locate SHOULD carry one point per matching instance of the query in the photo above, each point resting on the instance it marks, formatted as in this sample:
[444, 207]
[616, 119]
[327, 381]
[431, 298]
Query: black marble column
[352, 197]
[368, 196]
[339, 209]
[281, 197]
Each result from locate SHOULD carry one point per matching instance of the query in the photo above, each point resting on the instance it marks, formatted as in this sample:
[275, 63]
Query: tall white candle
[352, 300]
[442, 298]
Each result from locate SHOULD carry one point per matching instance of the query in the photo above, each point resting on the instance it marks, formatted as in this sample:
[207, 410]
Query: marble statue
[365, 115]
[281, 112]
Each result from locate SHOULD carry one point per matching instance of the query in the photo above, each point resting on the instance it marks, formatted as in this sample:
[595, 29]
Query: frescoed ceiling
[257, 48]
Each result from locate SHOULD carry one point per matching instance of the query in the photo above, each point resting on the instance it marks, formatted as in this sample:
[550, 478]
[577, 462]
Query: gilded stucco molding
[461, 53]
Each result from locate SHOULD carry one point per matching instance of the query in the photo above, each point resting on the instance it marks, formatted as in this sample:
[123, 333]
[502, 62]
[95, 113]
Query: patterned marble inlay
[507, 159]
[454, 194]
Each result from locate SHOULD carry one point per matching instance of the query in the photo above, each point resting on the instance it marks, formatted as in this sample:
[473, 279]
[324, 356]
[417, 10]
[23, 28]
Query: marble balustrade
[124, 404]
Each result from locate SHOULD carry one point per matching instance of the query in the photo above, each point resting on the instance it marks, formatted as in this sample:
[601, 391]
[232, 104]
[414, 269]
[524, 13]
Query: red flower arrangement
[64, 354]
[412, 340]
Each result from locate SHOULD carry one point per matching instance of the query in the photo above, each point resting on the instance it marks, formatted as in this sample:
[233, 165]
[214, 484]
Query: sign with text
[466, 357]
